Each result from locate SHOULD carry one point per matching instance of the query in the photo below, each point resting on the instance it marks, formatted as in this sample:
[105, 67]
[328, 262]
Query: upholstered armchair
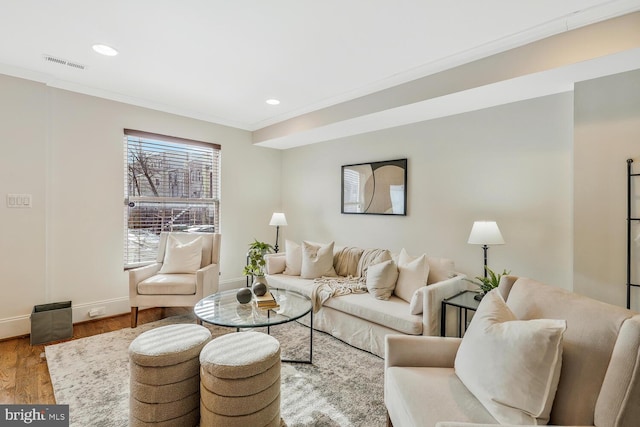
[187, 269]
[589, 377]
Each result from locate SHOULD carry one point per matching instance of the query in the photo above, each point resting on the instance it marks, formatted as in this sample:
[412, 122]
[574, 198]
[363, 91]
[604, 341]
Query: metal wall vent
[55, 60]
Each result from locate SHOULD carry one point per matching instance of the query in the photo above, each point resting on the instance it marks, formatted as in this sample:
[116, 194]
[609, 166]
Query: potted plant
[255, 260]
[488, 283]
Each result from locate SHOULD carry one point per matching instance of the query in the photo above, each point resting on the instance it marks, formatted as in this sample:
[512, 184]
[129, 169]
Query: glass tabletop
[223, 309]
[464, 299]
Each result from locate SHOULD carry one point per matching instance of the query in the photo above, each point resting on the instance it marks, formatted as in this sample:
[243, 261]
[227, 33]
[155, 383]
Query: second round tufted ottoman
[240, 381]
[165, 376]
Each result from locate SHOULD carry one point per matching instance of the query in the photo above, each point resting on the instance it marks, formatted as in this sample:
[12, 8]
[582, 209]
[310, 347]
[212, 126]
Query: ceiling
[220, 60]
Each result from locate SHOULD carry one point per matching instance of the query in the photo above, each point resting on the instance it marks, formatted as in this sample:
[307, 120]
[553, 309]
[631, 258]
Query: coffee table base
[306, 361]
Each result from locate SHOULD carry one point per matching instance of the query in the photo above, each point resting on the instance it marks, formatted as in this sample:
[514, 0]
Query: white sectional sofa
[361, 319]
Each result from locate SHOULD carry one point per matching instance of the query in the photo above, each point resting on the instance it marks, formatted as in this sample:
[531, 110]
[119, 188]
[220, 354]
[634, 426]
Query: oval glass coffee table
[223, 309]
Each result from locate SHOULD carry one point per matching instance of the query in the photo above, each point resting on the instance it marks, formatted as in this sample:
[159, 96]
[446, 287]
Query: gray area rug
[343, 387]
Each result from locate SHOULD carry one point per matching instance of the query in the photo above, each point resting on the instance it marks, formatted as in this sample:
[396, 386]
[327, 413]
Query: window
[171, 184]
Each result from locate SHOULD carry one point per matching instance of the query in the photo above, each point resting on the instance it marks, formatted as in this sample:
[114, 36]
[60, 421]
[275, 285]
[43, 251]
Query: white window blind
[171, 184]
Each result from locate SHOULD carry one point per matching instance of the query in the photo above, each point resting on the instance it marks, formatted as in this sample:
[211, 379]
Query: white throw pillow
[317, 260]
[381, 279]
[181, 257]
[293, 258]
[511, 366]
[412, 275]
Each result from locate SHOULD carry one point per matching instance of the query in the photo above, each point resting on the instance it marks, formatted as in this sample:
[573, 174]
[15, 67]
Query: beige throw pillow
[371, 257]
[182, 257]
[317, 260]
[511, 366]
[293, 258]
[381, 279]
[412, 275]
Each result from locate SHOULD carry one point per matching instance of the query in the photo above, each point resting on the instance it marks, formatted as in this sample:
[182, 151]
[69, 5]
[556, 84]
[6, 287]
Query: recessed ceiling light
[273, 101]
[103, 49]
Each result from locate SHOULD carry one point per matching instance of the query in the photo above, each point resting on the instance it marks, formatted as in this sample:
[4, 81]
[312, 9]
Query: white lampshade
[278, 218]
[485, 233]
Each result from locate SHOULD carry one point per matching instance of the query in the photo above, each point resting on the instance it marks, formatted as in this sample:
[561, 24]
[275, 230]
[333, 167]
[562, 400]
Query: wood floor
[24, 375]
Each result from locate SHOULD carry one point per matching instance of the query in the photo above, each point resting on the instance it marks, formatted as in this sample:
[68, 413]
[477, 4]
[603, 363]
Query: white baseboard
[21, 325]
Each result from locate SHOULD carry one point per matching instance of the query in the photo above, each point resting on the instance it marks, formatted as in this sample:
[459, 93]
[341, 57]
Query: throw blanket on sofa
[327, 287]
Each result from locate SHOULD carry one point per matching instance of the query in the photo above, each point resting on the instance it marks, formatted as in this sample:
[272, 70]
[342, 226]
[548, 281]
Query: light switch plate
[18, 200]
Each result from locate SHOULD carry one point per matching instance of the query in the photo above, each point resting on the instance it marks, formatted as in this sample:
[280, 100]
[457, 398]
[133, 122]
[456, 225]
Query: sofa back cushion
[346, 259]
[588, 342]
[440, 269]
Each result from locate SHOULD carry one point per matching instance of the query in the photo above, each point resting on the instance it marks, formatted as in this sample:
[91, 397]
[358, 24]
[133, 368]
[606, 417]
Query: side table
[464, 301]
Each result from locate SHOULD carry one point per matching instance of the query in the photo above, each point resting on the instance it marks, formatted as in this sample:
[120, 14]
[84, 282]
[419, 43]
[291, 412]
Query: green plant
[490, 282]
[255, 258]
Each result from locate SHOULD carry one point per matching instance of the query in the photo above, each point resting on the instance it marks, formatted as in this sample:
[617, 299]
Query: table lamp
[277, 219]
[485, 233]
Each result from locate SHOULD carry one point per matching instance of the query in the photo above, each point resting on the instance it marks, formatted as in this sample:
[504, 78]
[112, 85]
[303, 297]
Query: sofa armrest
[207, 280]
[432, 296]
[275, 263]
[408, 350]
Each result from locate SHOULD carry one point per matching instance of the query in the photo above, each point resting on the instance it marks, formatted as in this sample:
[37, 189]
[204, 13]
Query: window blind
[171, 184]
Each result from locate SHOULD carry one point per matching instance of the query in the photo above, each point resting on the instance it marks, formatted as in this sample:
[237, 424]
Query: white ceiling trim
[530, 86]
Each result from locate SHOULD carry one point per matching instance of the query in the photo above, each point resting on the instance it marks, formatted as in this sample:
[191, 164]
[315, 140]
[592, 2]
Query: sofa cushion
[381, 279]
[168, 284]
[512, 366]
[182, 257]
[412, 275]
[422, 396]
[293, 283]
[393, 313]
[317, 260]
[293, 258]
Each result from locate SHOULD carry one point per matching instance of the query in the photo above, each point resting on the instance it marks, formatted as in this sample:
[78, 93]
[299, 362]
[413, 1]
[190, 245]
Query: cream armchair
[599, 382]
[186, 270]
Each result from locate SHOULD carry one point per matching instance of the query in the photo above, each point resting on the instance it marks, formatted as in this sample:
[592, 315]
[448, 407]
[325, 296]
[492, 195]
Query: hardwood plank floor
[24, 375]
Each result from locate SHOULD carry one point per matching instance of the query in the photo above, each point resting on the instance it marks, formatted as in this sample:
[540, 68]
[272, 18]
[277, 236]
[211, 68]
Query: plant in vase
[488, 283]
[256, 264]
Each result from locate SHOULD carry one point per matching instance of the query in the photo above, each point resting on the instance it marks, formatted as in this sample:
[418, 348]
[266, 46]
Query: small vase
[260, 286]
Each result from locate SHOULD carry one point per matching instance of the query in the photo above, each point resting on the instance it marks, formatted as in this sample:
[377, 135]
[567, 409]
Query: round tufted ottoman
[240, 381]
[165, 376]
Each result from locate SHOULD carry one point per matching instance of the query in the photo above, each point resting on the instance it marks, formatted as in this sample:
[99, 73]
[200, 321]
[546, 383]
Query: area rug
[343, 386]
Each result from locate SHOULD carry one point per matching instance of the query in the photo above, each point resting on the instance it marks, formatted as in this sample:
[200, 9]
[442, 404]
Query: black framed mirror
[378, 188]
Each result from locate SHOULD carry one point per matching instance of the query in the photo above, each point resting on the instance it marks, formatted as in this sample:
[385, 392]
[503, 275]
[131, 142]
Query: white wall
[66, 150]
[512, 164]
[607, 133]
